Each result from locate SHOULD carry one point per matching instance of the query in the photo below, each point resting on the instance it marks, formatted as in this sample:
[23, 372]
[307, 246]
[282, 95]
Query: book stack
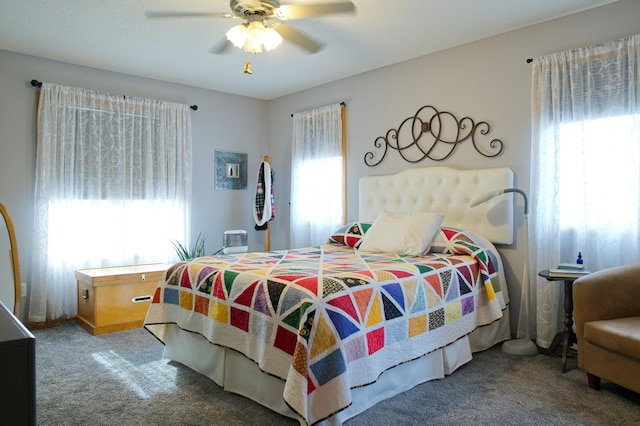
[568, 270]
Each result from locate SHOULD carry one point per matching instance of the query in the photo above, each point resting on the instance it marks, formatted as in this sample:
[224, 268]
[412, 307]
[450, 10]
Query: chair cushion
[620, 335]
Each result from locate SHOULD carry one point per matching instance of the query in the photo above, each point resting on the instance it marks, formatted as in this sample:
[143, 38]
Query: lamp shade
[271, 39]
[251, 37]
[238, 35]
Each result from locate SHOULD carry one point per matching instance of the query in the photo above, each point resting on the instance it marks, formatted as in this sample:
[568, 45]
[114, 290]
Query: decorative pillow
[458, 241]
[402, 233]
[350, 234]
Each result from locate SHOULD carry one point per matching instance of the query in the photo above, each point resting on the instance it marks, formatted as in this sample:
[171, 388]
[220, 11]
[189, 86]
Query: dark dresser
[17, 371]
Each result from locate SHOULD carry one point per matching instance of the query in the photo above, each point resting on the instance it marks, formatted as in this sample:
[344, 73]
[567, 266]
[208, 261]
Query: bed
[320, 334]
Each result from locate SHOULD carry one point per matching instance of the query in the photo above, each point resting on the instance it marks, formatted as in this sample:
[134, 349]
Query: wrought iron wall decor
[432, 134]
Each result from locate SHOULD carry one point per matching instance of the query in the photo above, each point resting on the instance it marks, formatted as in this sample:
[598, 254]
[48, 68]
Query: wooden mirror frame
[15, 261]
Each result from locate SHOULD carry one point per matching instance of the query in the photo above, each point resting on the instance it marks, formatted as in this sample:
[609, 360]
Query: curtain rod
[36, 83]
[529, 60]
[341, 104]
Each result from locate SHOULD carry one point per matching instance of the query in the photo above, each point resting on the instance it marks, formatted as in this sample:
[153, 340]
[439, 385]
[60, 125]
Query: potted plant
[189, 253]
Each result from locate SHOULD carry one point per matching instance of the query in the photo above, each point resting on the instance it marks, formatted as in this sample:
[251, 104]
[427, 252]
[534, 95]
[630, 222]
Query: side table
[567, 337]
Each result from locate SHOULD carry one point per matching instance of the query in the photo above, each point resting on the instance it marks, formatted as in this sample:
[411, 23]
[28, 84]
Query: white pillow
[402, 233]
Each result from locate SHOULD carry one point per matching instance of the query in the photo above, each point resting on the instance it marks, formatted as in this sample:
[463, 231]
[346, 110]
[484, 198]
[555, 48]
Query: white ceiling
[116, 35]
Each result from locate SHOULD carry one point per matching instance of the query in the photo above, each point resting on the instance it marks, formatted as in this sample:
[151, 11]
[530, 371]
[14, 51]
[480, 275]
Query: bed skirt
[217, 363]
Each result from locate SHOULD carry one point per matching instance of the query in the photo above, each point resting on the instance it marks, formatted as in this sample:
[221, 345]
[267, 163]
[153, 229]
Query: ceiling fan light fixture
[271, 39]
[255, 35]
[251, 37]
[238, 35]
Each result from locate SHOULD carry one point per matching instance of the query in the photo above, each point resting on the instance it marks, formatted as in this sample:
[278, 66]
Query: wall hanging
[231, 170]
[435, 135]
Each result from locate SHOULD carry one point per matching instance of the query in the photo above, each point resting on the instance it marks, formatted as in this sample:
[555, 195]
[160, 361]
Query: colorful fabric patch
[328, 319]
[350, 234]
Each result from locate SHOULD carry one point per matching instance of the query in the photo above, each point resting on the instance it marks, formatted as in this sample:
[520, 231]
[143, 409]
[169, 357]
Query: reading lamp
[521, 346]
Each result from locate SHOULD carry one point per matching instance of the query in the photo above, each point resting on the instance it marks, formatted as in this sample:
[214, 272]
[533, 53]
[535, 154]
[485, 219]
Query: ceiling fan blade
[163, 14]
[297, 37]
[222, 47]
[300, 11]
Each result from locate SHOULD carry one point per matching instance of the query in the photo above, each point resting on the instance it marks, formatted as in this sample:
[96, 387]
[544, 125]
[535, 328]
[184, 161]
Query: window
[598, 178]
[112, 188]
[317, 176]
[585, 167]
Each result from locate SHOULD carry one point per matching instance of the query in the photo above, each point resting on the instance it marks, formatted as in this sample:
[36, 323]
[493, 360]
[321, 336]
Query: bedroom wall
[219, 123]
[486, 80]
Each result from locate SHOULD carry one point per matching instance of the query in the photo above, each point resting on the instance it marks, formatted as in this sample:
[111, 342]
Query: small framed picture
[231, 170]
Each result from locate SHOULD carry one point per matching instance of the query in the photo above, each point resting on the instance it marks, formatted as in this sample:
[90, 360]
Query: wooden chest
[116, 298]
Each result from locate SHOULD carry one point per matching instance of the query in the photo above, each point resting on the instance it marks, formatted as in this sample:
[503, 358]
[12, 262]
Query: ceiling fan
[265, 23]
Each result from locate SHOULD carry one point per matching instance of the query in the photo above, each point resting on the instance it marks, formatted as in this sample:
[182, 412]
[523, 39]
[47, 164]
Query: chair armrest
[607, 294]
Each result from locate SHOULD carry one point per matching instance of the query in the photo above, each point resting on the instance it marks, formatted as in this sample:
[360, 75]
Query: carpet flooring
[122, 379]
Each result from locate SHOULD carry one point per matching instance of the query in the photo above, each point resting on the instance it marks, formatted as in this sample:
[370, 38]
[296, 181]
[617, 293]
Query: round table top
[546, 275]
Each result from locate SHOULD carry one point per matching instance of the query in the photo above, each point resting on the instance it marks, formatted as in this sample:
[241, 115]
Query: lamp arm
[524, 195]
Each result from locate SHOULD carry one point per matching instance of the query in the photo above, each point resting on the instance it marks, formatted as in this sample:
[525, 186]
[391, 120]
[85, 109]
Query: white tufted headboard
[446, 191]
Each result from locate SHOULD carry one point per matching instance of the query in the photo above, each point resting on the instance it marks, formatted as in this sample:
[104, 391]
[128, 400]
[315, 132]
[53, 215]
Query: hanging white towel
[262, 207]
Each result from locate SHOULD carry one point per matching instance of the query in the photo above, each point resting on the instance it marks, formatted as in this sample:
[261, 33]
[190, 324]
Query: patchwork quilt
[328, 319]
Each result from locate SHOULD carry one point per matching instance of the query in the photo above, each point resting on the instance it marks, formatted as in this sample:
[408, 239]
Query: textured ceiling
[116, 35]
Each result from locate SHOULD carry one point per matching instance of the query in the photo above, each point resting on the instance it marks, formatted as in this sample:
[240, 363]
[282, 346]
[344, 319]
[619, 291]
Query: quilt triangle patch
[185, 279]
[246, 296]
[491, 263]
[434, 281]
[375, 313]
[464, 287]
[207, 285]
[178, 267]
[390, 309]
[331, 286]
[206, 270]
[339, 238]
[409, 288]
[294, 318]
[362, 299]
[445, 279]
[275, 291]
[395, 291]
[482, 255]
[424, 268]
[310, 283]
[217, 288]
[323, 339]
[352, 240]
[453, 292]
[229, 278]
[420, 303]
[400, 274]
[291, 297]
[260, 303]
[464, 273]
[353, 281]
[433, 299]
[384, 276]
[449, 233]
[345, 304]
[342, 324]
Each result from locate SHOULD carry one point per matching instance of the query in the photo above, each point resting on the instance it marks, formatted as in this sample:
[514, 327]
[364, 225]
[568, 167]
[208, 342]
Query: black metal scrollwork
[432, 134]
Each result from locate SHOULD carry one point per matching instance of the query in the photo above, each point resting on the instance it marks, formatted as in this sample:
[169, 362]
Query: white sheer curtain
[113, 179]
[585, 166]
[316, 176]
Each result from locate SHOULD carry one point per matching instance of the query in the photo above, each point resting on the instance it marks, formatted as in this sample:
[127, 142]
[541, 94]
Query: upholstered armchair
[607, 321]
